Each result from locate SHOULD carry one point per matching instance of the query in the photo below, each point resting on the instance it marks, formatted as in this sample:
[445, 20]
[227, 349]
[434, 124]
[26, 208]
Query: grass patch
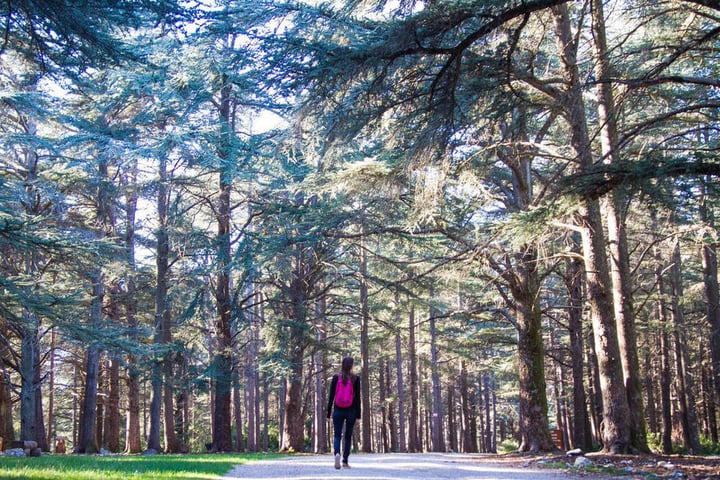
[132, 467]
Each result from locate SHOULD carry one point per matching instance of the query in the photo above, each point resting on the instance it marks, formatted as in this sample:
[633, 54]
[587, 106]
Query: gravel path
[394, 467]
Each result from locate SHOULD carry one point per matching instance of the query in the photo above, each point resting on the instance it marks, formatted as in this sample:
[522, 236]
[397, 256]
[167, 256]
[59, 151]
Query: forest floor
[475, 467]
[631, 466]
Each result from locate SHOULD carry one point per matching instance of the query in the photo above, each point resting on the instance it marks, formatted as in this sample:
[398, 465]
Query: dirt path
[397, 467]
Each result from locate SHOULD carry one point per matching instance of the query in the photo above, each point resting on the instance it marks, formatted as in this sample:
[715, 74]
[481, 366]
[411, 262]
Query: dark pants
[346, 417]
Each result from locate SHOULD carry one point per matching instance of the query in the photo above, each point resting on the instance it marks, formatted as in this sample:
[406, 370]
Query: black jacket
[356, 395]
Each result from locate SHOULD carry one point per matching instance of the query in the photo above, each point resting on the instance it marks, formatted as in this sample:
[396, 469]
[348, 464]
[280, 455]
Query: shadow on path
[390, 467]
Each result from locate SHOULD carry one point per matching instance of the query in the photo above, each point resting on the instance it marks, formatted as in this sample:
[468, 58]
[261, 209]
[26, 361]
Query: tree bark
[402, 434]
[320, 359]
[469, 443]
[87, 442]
[222, 414]
[438, 444]
[582, 437]
[616, 412]
[367, 446]
[414, 445]
[132, 433]
[617, 236]
[712, 289]
[685, 384]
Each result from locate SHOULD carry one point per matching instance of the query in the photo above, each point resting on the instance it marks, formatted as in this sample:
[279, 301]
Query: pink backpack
[344, 394]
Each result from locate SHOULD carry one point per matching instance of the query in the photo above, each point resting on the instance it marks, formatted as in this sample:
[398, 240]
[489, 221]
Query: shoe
[346, 465]
[337, 461]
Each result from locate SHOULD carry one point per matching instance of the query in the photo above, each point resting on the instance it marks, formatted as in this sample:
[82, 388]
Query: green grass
[133, 467]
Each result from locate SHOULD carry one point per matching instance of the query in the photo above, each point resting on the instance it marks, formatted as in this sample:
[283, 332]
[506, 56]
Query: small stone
[15, 452]
[30, 444]
[583, 462]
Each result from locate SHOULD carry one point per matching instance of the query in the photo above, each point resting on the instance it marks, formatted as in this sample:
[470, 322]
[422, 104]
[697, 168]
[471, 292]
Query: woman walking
[344, 407]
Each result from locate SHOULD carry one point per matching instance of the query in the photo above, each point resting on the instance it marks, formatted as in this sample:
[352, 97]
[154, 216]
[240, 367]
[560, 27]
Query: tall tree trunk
[367, 446]
[414, 445]
[163, 384]
[488, 416]
[452, 419]
[100, 407]
[392, 421]
[650, 376]
[29, 328]
[293, 438]
[616, 412]
[468, 418]
[320, 358]
[222, 418]
[534, 429]
[382, 391]
[709, 400]
[712, 288]
[111, 428]
[619, 257]
[663, 350]
[685, 384]
[40, 432]
[51, 393]
[237, 403]
[7, 430]
[132, 429]
[402, 434]
[582, 437]
[88, 443]
[161, 298]
[438, 444]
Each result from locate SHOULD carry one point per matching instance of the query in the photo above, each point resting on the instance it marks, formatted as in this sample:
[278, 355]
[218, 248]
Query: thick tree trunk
[222, 415]
[7, 430]
[87, 442]
[616, 412]
[29, 356]
[294, 425]
[293, 439]
[619, 257]
[534, 429]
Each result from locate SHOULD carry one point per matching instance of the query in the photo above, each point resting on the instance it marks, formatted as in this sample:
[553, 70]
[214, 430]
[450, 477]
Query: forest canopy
[503, 210]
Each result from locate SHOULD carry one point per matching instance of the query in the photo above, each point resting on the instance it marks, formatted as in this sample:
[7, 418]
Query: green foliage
[180, 467]
[508, 446]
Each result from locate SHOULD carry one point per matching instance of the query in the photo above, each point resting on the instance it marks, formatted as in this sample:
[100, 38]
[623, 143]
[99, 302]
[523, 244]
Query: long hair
[346, 368]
